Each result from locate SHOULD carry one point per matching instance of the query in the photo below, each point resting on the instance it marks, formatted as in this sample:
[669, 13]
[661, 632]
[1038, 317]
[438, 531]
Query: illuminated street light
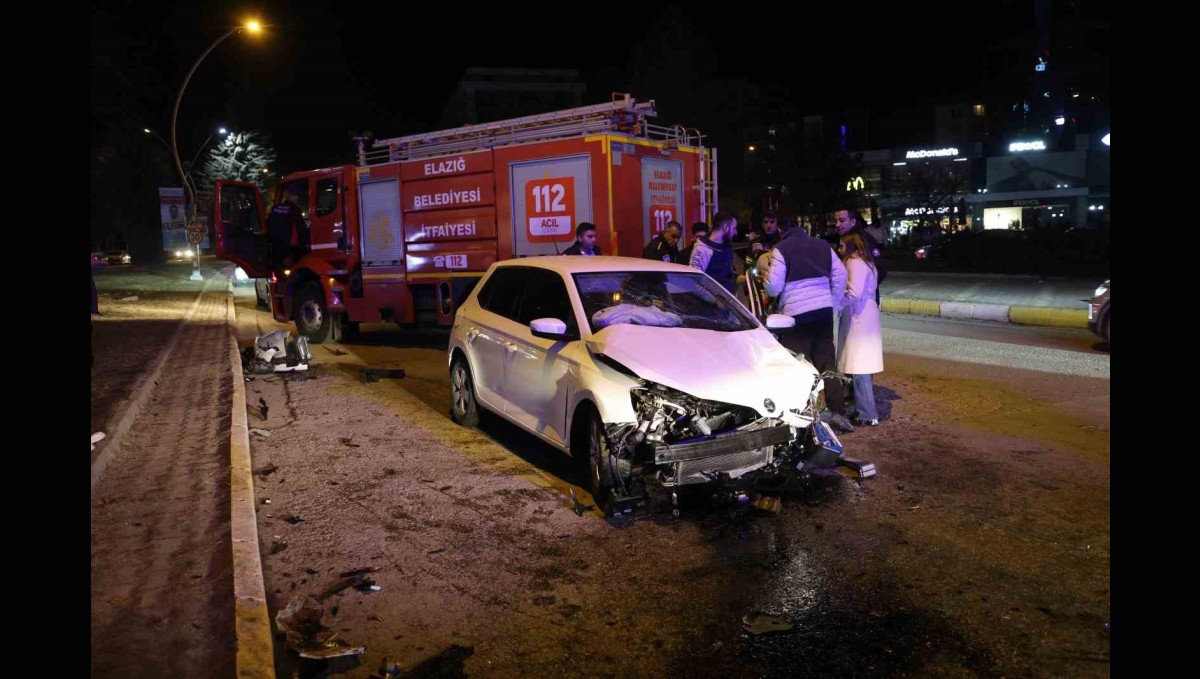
[192, 165]
[254, 27]
[1105, 139]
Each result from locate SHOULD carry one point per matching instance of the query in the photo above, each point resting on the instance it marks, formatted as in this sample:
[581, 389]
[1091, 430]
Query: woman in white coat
[860, 328]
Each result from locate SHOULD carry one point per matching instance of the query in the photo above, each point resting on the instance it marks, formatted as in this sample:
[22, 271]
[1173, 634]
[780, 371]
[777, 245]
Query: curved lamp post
[253, 27]
[192, 164]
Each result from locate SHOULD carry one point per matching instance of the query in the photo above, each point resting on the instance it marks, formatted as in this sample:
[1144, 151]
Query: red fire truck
[404, 234]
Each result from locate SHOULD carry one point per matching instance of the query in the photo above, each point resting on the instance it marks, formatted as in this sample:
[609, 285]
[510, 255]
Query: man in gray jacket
[807, 280]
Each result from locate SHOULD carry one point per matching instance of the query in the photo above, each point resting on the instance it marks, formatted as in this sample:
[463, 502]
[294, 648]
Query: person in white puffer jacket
[808, 281]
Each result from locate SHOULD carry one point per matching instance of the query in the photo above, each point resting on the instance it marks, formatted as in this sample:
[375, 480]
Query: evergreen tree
[241, 156]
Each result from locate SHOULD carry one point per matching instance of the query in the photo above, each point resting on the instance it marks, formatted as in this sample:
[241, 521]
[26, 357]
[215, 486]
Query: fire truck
[403, 235]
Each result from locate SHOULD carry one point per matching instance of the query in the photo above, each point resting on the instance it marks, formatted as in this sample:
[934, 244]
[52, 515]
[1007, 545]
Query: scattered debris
[388, 669]
[366, 585]
[374, 618]
[764, 623]
[356, 572]
[335, 351]
[276, 352]
[768, 504]
[293, 519]
[335, 588]
[278, 546]
[439, 550]
[261, 432]
[301, 624]
[262, 402]
[249, 378]
[312, 571]
[97, 438]
[370, 375]
[579, 507]
[266, 471]
[349, 443]
[266, 501]
[131, 298]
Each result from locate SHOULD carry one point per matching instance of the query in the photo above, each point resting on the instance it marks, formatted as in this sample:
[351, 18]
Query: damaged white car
[640, 370]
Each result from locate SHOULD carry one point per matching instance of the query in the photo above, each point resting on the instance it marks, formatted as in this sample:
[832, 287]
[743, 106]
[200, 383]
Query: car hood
[743, 368]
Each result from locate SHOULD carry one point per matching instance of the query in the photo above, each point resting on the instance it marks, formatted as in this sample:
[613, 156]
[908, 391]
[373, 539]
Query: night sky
[325, 70]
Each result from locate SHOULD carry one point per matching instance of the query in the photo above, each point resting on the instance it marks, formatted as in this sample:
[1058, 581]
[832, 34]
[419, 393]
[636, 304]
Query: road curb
[252, 621]
[1000, 313]
[109, 448]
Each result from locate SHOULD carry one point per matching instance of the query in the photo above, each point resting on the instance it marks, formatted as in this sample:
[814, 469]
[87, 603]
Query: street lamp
[192, 164]
[253, 27]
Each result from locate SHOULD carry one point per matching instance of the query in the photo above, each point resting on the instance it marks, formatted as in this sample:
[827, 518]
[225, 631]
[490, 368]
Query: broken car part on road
[276, 352]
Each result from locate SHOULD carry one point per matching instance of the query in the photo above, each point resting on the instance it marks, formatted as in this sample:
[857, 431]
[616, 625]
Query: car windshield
[661, 299]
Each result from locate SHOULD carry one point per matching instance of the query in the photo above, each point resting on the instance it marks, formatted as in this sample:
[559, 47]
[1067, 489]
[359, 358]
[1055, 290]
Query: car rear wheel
[313, 320]
[464, 410]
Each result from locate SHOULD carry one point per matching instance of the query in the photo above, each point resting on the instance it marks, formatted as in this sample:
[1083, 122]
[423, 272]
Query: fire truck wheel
[313, 320]
[463, 407]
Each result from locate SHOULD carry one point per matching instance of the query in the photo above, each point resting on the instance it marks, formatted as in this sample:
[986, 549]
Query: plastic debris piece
[300, 621]
[97, 438]
[261, 432]
[764, 623]
[278, 546]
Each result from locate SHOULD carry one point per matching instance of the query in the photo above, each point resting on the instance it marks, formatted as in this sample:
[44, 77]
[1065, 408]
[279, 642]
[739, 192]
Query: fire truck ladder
[623, 115]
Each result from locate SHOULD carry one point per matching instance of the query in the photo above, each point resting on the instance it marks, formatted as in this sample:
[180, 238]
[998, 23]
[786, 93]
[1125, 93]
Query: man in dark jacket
[713, 254]
[585, 241]
[768, 233]
[808, 281]
[287, 230]
[850, 221]
[699, 230]
[665, 246]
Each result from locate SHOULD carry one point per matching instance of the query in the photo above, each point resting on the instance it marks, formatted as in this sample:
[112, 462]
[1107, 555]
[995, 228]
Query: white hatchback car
[634, 367]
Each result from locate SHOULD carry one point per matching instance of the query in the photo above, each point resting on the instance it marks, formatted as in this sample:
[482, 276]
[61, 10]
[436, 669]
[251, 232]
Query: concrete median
[999, 313]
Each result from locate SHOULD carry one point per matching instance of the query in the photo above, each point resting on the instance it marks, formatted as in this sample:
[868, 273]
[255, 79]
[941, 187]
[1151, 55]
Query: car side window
[502, 292]
[546, 297]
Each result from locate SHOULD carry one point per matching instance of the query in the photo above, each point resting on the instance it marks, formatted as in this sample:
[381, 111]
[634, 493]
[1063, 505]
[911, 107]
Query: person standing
[665, 246]
[287, 230]
[768, 233]
[850, 221]
[860, 328]
[699, 230]
[808, 281]
[713, 254]
[585, 241]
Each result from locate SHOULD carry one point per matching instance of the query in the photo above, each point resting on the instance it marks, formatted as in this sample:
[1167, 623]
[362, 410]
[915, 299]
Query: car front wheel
[595, 459]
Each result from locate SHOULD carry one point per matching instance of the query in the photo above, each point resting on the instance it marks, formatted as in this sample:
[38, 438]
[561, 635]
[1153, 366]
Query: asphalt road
[981, 549]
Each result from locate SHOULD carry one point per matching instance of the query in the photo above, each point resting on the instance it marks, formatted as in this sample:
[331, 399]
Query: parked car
[636, 368]
[1098, 312]
[118, 257]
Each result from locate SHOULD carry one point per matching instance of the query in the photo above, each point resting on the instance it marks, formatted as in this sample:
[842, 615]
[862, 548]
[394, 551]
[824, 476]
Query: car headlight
[1102, 289]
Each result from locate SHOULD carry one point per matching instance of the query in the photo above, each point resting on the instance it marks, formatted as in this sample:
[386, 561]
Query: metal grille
[735, 464]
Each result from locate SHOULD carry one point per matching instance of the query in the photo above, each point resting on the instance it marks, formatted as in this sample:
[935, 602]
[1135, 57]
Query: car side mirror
[551, 329]
[780, 322]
